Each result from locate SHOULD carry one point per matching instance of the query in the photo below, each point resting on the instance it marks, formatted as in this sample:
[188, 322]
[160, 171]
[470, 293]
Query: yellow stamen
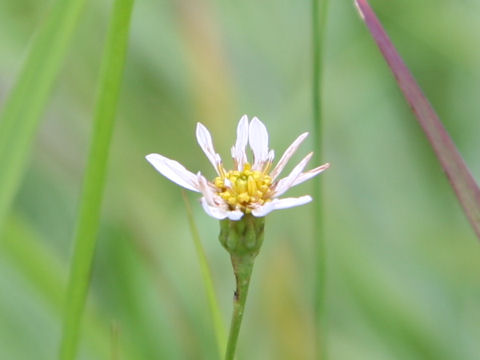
[243, 197]
[240, 185]
[244, 189]
[221, 170]
[252, 185]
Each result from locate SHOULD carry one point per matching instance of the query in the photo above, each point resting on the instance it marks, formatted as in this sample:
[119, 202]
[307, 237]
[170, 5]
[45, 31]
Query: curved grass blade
[89, 214]
[319, 24]
[27, 99]
[462, 181]
[220, 333]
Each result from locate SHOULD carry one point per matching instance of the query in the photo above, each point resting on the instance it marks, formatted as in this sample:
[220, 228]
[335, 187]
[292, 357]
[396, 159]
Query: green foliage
[319, 26]
[90, 205]
[25, 104]
[207, 279]
[461, 179]
[402, 261]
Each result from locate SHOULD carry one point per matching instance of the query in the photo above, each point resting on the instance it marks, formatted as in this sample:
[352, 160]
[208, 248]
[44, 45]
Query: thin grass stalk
[90, 204]
[207, 278]
[460, 177]
[26, 101]
[319, 20]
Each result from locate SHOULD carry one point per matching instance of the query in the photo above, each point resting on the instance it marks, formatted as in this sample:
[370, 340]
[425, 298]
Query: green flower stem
[242, 267]
[243, 240]
[319, 20]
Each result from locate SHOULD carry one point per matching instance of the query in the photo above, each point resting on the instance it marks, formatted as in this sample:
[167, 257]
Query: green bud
[242, 237]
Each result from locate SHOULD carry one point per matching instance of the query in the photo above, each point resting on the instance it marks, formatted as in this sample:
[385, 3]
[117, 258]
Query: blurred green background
[403, 263]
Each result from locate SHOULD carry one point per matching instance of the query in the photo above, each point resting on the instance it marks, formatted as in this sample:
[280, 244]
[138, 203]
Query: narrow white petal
[286, 203]
[238, 151]
[287, 155]
[214, 211]
[264, 209]
[174, 171]
[286, 183]
[206, 191]
[271, 156]
[277, 204]
[258, 139]
[213, 204]
[205, 141]
[310, 174]
[235, 215]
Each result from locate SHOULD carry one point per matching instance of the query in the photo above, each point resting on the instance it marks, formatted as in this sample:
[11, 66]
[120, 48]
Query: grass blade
[319, 20]
[89, 214]
[462, 181]
[220, 333]
[24, 106]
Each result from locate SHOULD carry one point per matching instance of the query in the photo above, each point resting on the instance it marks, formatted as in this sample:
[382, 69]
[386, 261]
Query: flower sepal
[242, 237]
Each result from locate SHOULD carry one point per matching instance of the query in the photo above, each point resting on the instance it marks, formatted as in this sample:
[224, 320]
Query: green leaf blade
[458, 174]
[23, 108]
[90, 204]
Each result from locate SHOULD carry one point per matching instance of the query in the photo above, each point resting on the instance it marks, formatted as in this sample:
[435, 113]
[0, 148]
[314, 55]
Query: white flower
[248, 189]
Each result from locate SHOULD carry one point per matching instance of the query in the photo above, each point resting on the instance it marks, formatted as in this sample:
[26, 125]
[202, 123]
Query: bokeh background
[403, 263]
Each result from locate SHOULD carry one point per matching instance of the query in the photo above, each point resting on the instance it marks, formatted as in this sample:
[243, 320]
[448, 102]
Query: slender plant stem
[319, 17]
[242, 266]
[455, 168]
[207, 281]
[90, 204]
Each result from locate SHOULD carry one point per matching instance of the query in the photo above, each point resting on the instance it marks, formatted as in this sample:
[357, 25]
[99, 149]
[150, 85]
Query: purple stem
[460, 178]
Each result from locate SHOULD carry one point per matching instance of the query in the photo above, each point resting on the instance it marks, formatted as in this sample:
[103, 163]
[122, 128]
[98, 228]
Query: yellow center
[244, 188]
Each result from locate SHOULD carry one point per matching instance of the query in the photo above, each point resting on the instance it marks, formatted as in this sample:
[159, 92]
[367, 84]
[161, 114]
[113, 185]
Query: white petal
[310, 174]
[286, 203]
[235, 215]
[287, 182]
[271, 156]
[206, 191]
[205, 141]
[258, 139]
[287, 155]
[265, 167]
[214, 211]
[214, 205]
[174, 171]
[277, 204]
[238, 151]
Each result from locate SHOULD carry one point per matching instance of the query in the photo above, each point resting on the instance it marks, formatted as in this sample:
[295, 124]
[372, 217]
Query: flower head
[251, 187]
